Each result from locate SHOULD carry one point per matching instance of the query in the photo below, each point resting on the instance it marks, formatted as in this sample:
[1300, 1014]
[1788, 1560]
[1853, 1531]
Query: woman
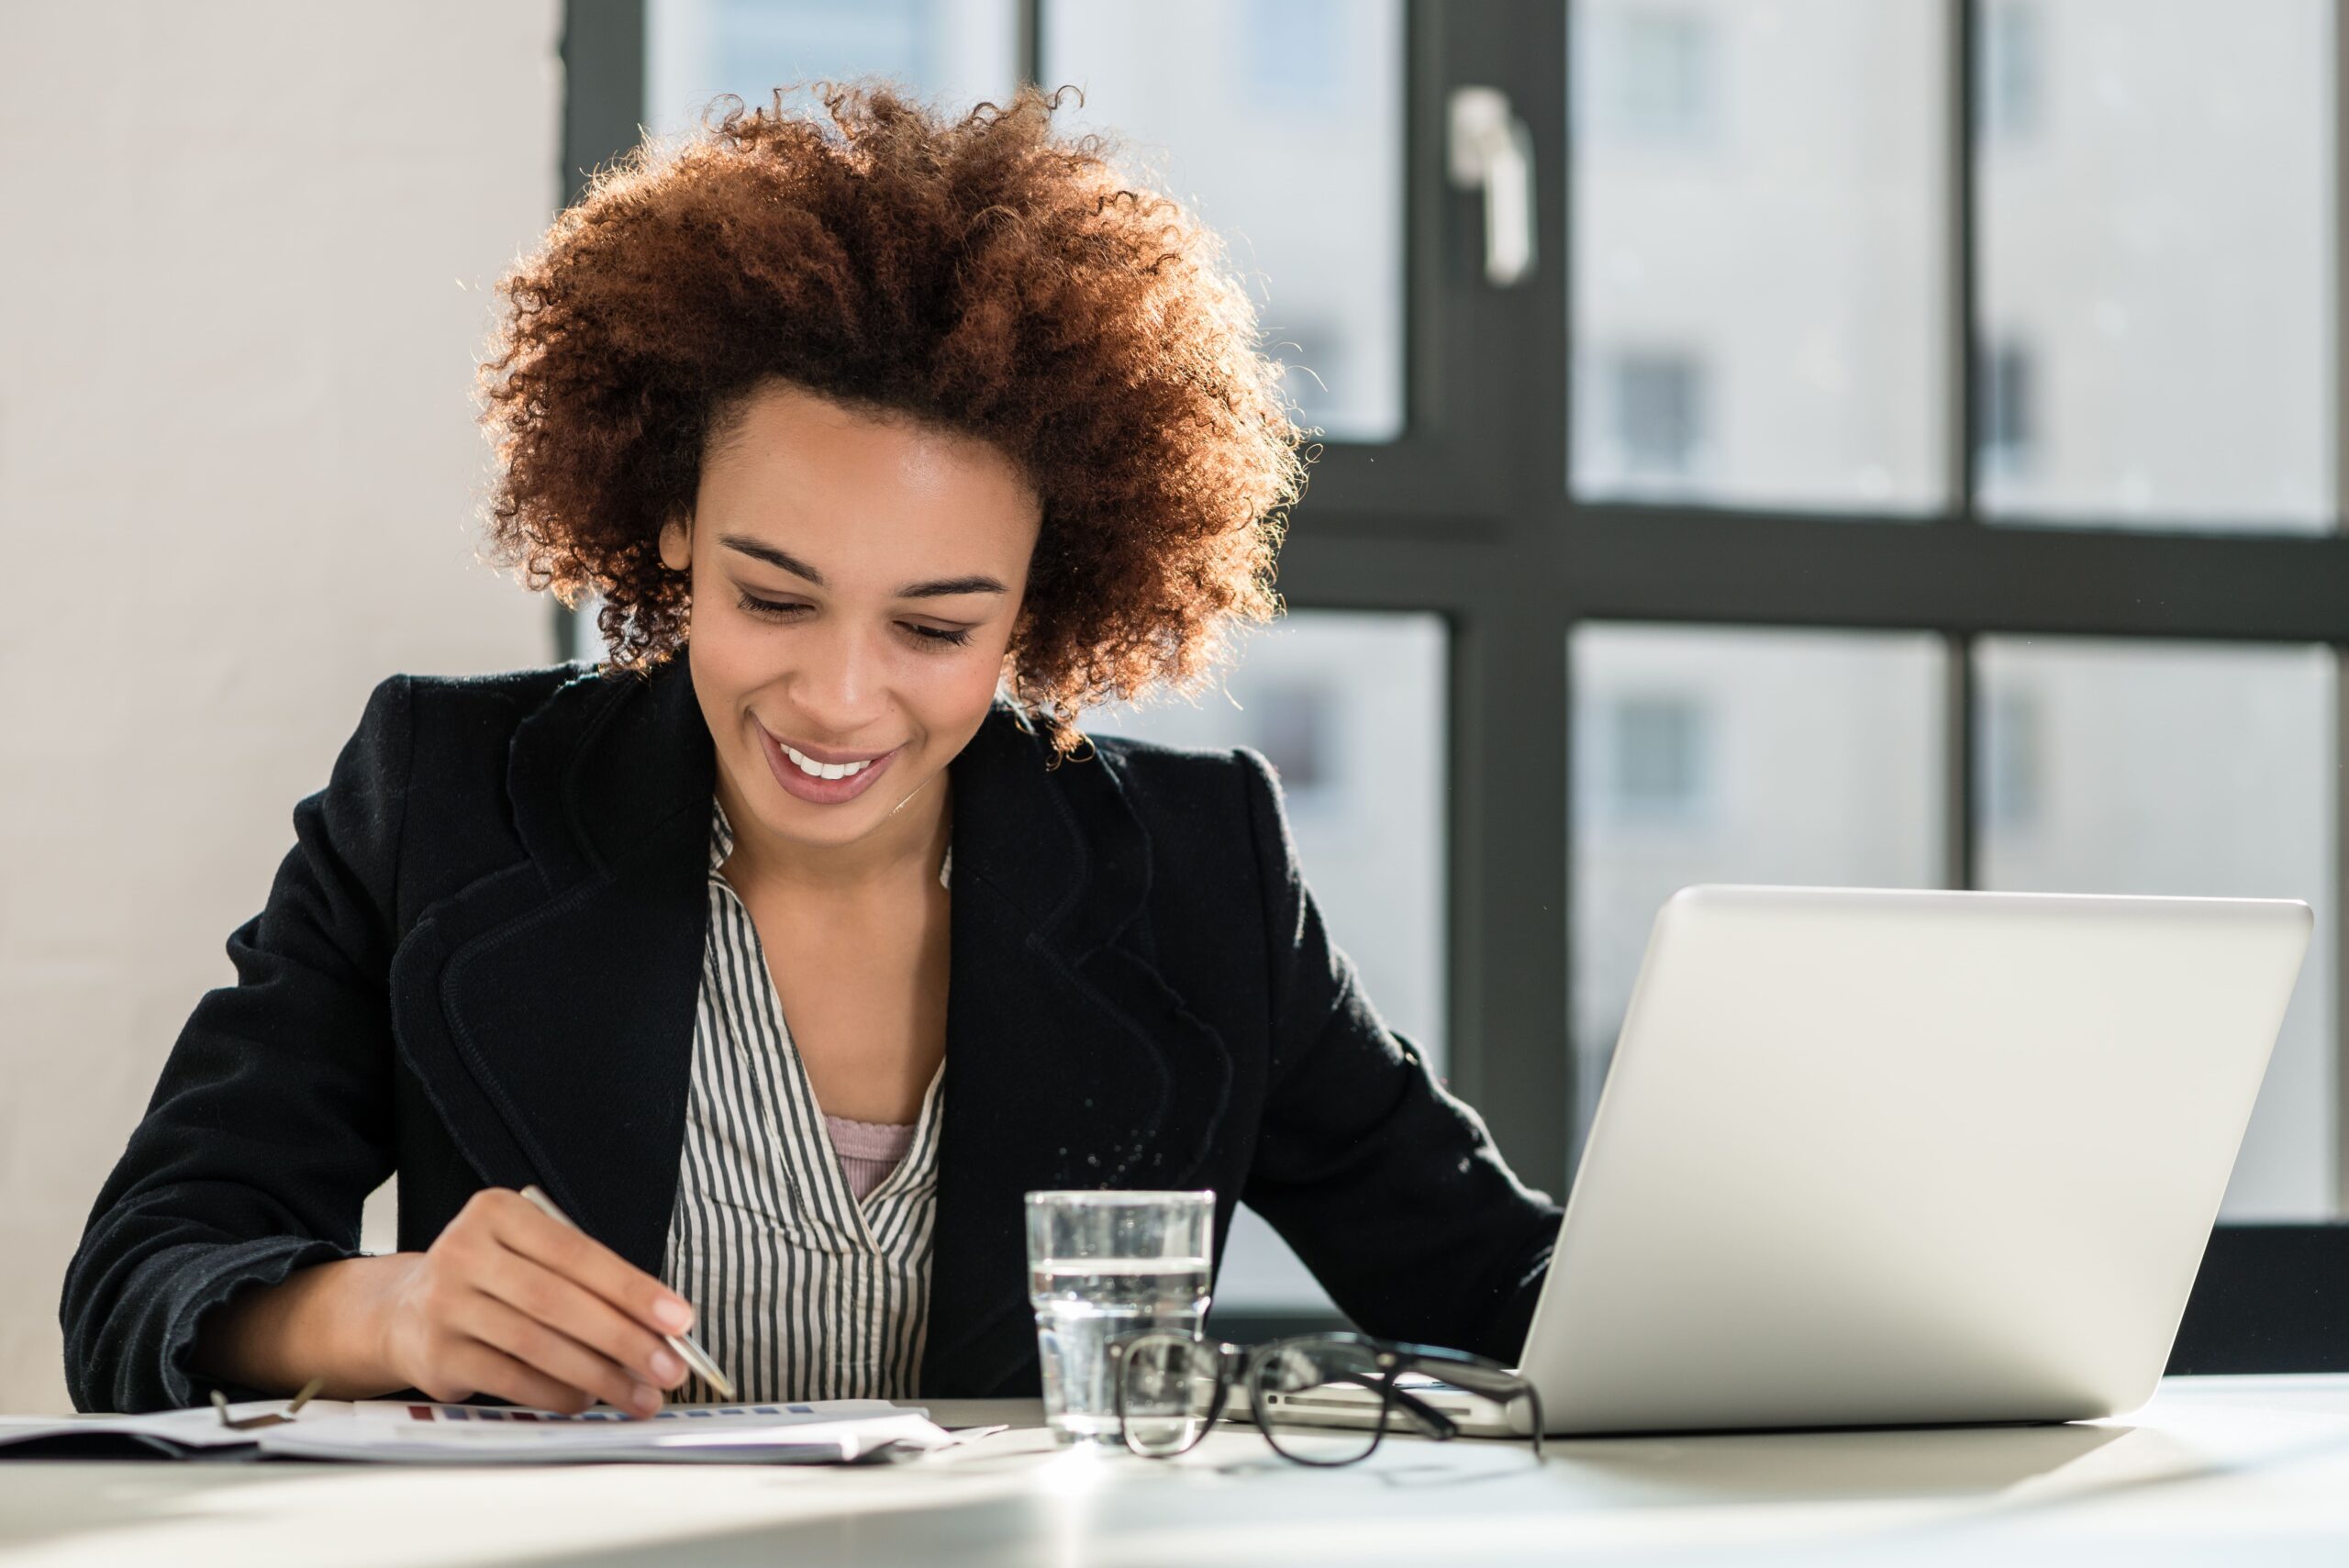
[890, 445]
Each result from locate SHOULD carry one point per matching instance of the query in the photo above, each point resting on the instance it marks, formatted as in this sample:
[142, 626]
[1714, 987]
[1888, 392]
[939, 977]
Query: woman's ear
[677, 544]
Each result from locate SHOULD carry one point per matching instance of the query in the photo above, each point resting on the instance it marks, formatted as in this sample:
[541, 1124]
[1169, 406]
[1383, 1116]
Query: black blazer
[478, 966]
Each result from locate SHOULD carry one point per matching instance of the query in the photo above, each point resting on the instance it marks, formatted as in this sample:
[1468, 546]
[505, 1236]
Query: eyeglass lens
[1294, 1386]
[1167, 1386]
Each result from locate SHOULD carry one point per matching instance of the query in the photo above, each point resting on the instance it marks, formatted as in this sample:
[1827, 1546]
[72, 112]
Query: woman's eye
[939, 634]
[759, 607]
[777, 609]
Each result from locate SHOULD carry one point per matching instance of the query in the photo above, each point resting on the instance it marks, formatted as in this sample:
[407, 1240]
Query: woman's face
[854, 582]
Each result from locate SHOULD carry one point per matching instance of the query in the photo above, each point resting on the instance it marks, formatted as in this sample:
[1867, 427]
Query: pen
[685, 1345]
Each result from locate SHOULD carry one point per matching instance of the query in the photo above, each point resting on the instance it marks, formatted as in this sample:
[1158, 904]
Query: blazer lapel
[548, 1008]
[1069, 1061]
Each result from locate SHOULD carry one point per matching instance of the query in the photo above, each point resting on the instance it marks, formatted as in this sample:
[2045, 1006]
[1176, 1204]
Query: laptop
[1872, 1157]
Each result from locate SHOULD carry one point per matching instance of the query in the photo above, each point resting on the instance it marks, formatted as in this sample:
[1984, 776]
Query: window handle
[1490, 148]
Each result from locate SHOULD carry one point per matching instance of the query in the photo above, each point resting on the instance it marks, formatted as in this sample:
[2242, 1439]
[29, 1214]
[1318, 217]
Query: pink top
[869, 1150]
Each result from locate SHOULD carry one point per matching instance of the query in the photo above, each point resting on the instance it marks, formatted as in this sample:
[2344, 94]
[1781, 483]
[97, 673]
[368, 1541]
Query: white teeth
[816, 769]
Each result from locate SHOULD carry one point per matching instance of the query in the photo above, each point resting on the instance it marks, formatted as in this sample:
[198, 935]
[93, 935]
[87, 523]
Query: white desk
[2218, 1470]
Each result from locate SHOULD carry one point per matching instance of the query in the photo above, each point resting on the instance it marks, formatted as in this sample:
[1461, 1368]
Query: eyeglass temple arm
[1503, 1388]
[1496, 1385]
[1424, 1416]
[1492, 1384]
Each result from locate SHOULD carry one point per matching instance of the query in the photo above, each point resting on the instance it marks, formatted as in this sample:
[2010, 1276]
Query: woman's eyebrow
[947, 587]
[759, 550]
[939, 588]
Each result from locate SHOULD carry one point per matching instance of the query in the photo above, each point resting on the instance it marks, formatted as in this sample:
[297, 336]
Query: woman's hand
[511, 1302]
[508, 1301]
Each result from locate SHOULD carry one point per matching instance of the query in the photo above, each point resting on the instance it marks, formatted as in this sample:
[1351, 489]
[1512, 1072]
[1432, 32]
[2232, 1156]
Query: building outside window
[2008, 424]
[1652, 79]
[1659, 412]
[2011, 72]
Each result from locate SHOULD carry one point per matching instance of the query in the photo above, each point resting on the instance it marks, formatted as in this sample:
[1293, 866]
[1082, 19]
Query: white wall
[248, 254]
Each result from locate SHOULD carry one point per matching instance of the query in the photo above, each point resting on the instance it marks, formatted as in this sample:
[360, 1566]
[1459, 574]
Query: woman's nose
[840, 685]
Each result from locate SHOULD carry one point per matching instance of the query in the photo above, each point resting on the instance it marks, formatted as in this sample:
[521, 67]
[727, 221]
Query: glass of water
[1106, 1264]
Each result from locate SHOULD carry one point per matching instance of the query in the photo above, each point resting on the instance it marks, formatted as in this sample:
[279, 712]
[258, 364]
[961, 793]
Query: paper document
[166, 1433]
[817, 1431]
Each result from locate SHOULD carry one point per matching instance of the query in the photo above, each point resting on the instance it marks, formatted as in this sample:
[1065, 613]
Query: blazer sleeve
[272, 1120]
[1390, 1189]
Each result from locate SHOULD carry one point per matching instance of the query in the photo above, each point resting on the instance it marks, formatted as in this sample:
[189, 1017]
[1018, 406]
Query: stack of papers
[820, 1431]
[168, 1434]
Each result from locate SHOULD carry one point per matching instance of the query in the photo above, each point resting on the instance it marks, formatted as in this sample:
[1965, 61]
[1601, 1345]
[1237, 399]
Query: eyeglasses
[1171, 1387]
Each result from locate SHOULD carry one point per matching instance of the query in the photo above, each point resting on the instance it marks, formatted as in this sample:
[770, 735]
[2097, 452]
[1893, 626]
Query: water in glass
[1084, 1303]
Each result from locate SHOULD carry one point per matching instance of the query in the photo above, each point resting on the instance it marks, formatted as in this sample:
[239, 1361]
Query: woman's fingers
[486, 1368]
[555, 1356]
[541, 1294]
[512, 1301]
[579, 1257]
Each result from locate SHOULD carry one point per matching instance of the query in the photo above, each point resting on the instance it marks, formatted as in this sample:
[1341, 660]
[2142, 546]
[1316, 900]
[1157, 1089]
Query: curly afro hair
[982, 276]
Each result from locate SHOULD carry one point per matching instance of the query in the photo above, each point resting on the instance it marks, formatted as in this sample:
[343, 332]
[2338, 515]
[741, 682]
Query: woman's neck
[909, 845]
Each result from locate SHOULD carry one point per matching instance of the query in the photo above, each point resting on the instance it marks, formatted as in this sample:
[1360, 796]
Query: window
[1655, 747]
[1280, 122]
[2169, 238]
[1771, 539]
[696, 50]
[1290, 61]
[1658, 413]
[2013, 757]
[2007, 423]
[1742, 153]
[2184, 770]
[1293, 730]
[1652, 75]
[1737, 754]
[2009, 70]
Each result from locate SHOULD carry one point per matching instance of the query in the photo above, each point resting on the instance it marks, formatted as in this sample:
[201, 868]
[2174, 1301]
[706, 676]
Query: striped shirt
[800, 1291]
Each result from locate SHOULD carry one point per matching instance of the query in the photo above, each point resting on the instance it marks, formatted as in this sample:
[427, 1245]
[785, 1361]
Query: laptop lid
[1871, 1156]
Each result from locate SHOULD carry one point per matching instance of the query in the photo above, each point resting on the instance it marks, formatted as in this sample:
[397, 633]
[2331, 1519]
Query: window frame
[1469, 514]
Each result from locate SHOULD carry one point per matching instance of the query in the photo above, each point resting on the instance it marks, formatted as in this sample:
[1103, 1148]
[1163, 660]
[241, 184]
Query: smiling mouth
[816, 769]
